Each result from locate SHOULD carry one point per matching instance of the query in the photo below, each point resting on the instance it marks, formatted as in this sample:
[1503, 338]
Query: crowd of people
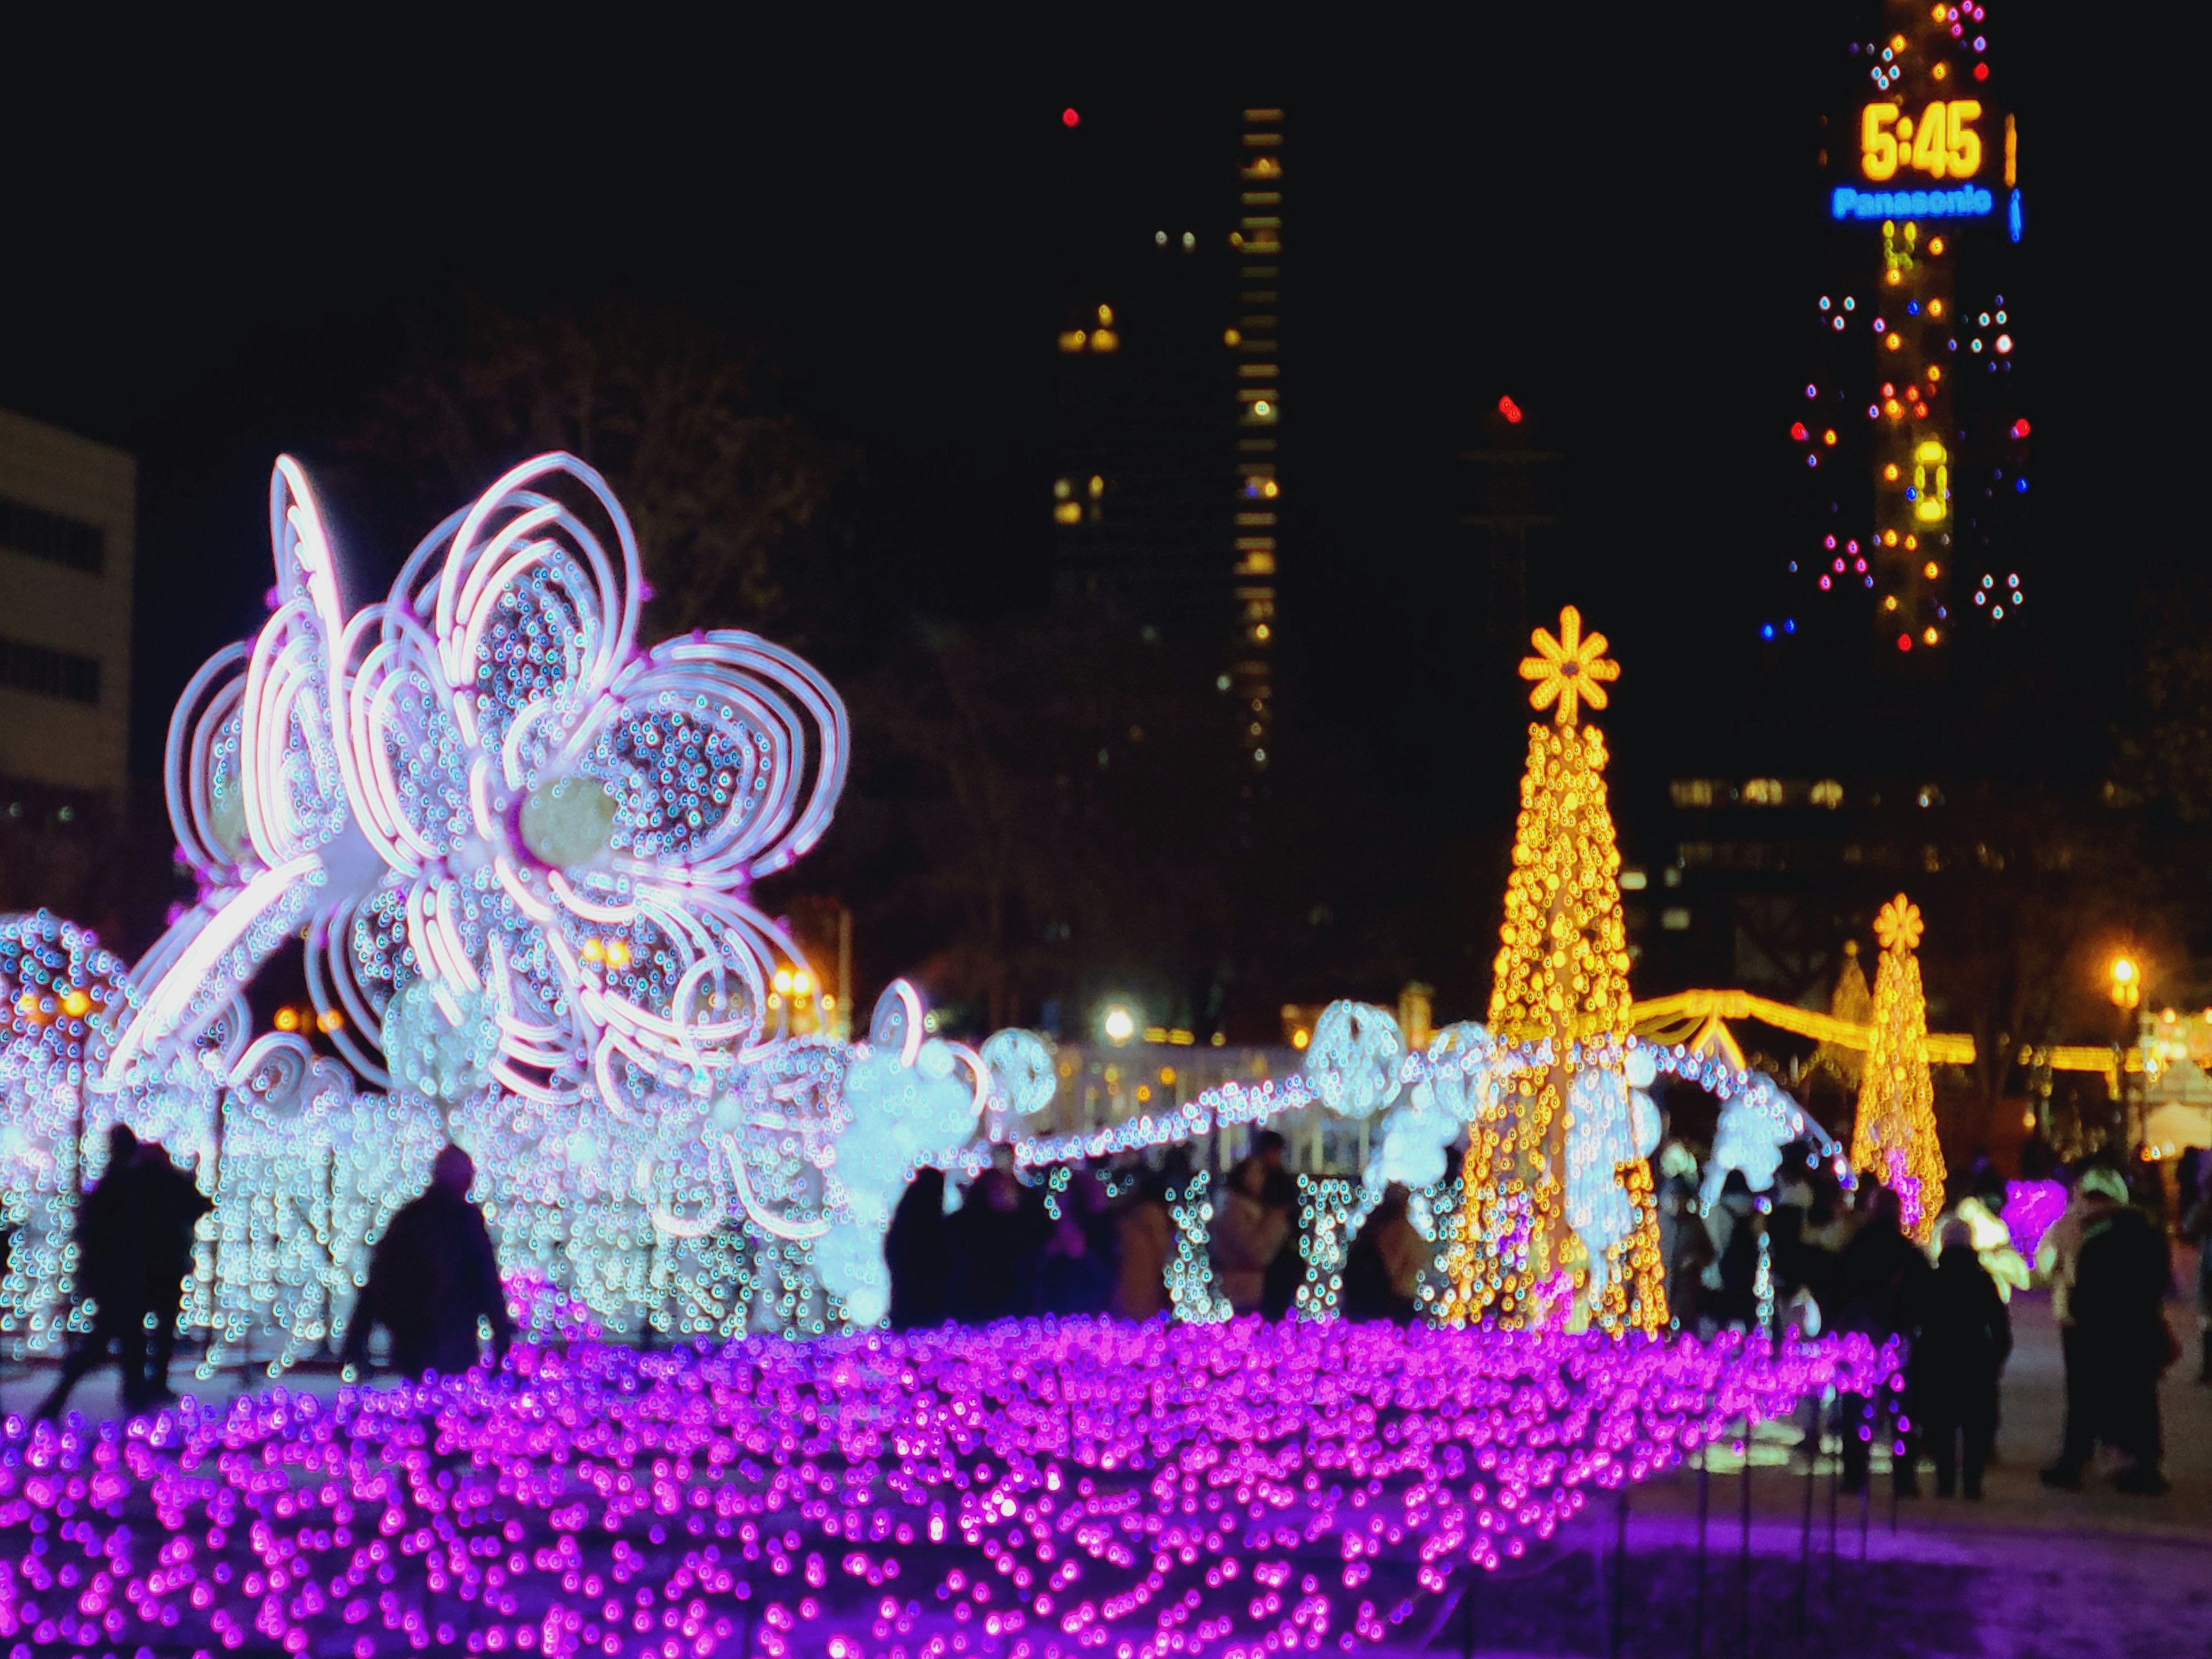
[1814, 1254]
[1088, 1239]
[1093, 1239]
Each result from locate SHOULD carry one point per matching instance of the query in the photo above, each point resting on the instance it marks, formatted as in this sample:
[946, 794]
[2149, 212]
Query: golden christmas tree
[1562, 978]
[1894, 1137]
[1853, 1003]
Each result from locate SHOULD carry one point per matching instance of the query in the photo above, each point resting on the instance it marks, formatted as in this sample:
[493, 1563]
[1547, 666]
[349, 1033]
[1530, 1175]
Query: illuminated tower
[1914, 386]
[1257, 244]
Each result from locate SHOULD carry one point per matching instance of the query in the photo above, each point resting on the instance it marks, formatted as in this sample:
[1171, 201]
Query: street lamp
[1117, 1023]
[2127, 981]
[2126, 975]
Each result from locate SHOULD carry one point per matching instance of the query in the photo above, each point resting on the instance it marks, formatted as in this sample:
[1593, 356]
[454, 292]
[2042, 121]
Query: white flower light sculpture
[571, 824]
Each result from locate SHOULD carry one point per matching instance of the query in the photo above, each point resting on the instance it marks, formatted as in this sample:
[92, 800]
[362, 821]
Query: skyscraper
[1256, 338]
[1166, 491]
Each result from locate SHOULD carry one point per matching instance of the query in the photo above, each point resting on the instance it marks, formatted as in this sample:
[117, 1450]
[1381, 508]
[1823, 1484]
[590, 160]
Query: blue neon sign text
[1968, 202]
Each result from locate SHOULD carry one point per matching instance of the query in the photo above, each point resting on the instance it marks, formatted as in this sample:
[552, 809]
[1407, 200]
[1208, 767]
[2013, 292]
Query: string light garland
[1517, 1256]
[1894, 1138]
[1330, 1212]
[1193, 1291]
[1040, 1488]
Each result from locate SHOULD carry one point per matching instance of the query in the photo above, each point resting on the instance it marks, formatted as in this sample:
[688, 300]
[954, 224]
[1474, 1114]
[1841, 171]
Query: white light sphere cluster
[63, 1003]
[914, 1100]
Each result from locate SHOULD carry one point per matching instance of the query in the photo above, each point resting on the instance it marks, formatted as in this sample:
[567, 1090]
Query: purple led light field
[1025, 1489]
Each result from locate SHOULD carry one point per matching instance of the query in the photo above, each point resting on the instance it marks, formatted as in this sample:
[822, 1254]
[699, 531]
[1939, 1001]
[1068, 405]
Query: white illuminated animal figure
[1756, 1123]
[914, 1101]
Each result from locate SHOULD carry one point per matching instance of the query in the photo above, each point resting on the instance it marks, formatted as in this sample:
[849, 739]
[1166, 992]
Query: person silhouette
[434, 1274]
[111, 1275]
[169, 1204]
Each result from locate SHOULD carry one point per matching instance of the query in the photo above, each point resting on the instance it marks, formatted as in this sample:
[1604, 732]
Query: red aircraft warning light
[1510, 410]
[1069, 117]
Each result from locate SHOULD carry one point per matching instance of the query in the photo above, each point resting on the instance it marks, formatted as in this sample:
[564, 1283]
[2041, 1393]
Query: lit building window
[1763, 791]
[1827, 792]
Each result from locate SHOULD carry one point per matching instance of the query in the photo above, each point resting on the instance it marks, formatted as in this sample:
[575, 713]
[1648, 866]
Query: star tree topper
[1569, 670]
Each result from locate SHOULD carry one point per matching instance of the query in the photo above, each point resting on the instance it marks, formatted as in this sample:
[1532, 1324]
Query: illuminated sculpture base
[1034, 1489]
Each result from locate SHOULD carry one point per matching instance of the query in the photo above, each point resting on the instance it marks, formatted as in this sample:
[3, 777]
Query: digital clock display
[1939, 142]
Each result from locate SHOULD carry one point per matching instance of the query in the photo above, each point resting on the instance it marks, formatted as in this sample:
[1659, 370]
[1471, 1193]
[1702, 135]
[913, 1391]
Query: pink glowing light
[2030, 1208]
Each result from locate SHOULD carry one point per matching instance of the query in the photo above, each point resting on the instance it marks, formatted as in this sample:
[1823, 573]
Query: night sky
[1617, 224]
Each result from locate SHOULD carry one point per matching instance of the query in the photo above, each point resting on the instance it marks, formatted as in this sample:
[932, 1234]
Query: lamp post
[2126, 975]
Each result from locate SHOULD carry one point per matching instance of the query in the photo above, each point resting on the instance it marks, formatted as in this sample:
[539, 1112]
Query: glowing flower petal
[259, 795]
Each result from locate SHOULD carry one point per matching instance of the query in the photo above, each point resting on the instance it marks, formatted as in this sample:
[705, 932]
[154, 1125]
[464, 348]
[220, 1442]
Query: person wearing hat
[1965, 1336]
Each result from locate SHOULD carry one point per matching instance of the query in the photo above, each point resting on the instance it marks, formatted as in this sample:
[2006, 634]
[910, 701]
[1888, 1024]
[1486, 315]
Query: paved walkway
[2027, 1573]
